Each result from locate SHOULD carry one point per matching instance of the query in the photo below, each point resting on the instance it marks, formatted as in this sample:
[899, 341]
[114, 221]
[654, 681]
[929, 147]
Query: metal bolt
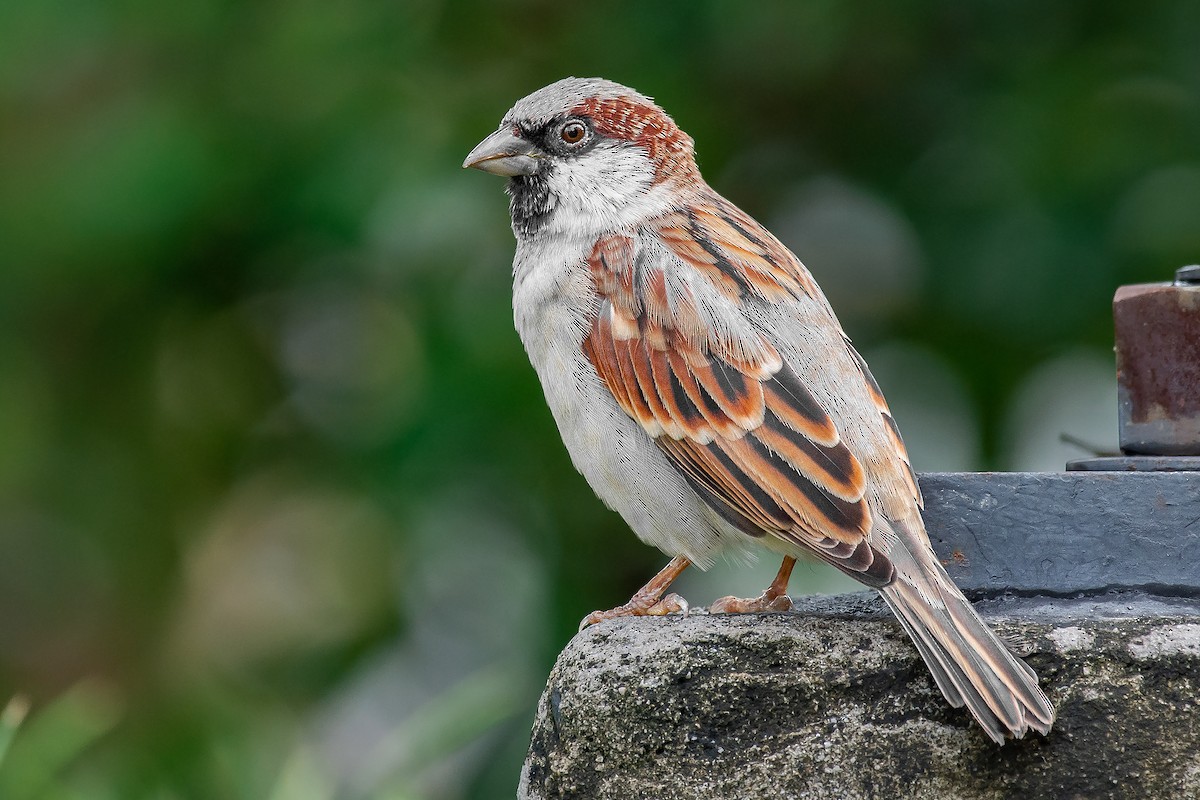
[1189, 274]
[1158, 365]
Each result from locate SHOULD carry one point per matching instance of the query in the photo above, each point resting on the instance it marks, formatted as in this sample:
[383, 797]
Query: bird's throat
[530, 204]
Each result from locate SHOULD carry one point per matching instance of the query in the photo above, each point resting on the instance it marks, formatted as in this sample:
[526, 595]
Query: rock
[832, 701]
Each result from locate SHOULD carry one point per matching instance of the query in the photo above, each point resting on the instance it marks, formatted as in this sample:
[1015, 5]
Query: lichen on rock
[832, 701]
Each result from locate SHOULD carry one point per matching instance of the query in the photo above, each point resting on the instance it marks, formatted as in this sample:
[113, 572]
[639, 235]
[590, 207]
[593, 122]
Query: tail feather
[970, 665]
[949, 679]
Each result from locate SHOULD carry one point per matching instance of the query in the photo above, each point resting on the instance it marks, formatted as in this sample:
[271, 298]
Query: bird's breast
[554, 304]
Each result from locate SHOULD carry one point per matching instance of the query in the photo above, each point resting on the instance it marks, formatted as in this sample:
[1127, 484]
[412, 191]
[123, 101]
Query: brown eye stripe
[620, 118]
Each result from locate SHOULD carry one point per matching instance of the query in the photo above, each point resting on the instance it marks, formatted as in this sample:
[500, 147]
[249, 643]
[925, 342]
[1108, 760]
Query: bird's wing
[673, 344]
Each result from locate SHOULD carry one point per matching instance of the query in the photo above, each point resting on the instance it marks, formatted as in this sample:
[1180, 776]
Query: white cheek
[607, 189]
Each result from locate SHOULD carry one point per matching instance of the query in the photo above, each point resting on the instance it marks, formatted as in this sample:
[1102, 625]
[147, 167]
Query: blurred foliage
[282, 513]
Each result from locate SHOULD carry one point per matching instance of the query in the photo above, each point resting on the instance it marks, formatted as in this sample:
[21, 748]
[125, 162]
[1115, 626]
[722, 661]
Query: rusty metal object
[1158, 365]
[1158, 377]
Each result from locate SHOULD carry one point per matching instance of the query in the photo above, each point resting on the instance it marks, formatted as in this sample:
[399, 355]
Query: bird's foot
[639, 607]
[651, 600]
[775, 598]
[764, 603]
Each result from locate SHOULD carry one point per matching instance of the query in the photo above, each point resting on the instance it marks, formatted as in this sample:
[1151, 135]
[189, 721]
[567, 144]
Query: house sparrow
[705, 389]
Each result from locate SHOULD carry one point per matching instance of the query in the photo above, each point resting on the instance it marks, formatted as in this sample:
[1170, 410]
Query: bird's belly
[614, 453]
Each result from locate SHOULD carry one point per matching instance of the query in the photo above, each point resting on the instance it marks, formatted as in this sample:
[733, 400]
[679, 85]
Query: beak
[503, 153]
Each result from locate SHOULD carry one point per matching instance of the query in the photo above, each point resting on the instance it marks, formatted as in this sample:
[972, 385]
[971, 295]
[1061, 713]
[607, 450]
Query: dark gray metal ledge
[1064, 533]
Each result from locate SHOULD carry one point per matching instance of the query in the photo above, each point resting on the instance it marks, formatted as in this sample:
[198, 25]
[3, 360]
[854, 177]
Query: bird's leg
[649, 600]
[775, 598]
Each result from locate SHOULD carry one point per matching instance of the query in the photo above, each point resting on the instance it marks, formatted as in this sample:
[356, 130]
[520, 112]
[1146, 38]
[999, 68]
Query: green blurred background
[282, 512]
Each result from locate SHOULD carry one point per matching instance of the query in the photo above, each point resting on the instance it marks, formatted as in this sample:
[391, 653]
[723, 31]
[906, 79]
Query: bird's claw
[670, 604]
[764, 603]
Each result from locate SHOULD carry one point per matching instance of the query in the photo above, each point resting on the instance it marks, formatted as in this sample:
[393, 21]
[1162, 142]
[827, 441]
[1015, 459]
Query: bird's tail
[970, 665]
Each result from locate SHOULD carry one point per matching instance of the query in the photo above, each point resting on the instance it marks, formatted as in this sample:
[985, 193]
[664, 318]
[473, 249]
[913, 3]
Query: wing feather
[734, 419]
[909, 476]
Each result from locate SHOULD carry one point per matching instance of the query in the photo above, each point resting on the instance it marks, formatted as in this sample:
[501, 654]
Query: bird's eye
[573, 132]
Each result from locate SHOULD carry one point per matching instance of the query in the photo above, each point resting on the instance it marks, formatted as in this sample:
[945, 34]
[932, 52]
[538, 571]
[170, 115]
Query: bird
[707, 392]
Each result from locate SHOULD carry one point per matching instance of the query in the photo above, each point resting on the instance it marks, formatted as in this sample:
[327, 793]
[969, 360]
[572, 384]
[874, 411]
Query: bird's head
[586, 154]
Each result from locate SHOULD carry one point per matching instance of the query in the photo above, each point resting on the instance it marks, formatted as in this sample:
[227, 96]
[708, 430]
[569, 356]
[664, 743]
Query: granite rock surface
[832, 701]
